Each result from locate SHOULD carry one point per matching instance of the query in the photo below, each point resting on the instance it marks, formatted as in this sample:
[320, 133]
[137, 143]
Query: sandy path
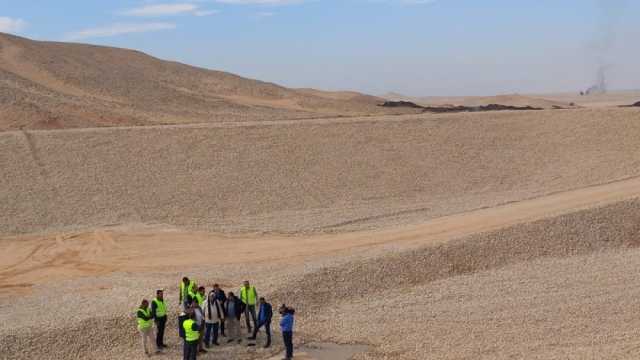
[32, 260]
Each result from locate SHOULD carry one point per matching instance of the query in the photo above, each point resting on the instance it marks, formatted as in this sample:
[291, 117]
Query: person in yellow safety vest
[191, 337]
[159, 313]
[187, 287]
[249, 298]
[200, 297]
[145, 327]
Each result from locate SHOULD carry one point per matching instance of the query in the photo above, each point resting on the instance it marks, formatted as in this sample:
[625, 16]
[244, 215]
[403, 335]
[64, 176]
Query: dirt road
[30, 260]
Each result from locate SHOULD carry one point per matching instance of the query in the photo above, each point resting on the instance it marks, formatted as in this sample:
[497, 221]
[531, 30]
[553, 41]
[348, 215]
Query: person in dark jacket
[286, 327]
[222, 299]
[159, 314]
[265, 313]
[233, 312]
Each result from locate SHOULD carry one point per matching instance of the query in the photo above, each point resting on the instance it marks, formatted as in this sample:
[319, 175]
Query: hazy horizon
[411, 47]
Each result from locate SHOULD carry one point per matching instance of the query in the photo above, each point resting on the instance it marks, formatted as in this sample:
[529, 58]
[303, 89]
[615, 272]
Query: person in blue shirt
[286, 327]
[265, 313]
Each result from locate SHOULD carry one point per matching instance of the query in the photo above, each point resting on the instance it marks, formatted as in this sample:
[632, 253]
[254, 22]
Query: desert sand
[493, 235]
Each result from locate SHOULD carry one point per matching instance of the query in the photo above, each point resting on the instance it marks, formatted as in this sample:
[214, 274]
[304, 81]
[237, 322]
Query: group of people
[205, 317]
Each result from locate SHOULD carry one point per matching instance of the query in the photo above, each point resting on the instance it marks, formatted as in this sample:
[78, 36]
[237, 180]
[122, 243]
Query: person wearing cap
[145, 327]
[159, 314]
[249, 298]
[265, 313]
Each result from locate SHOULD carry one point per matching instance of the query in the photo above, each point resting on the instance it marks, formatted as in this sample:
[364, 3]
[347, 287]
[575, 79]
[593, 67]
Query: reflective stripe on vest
[161, 308]
[142, 323]
[251, 298]
[189, 333]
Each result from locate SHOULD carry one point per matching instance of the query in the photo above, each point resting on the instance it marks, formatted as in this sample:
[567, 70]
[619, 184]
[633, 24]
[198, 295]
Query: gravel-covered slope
[325, 175]
[559, 288]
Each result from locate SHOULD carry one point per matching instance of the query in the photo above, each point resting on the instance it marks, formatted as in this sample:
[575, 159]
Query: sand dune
[47, 85]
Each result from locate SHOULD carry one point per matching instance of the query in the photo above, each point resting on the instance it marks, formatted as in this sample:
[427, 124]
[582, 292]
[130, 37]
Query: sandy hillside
[46, 85]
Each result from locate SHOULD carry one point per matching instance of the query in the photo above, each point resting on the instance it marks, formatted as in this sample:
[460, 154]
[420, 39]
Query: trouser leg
[247, 313]
[193, 350]
[234, 329]
[267, 328]
[215, 332]
[256, 330]
[288, 343]
[185, 350]
[143, 337]
[207, 333]
[161, 324]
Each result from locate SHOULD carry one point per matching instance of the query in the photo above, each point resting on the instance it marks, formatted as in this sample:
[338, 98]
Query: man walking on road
[249, 297]
[265, 313]
[159, 314]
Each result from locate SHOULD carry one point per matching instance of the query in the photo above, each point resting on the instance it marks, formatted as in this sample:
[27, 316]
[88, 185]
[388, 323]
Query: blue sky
[416, 47]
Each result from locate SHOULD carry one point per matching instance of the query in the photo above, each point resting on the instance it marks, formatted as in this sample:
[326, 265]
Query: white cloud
[205, 12]
[158, 10]
[10, 25]
[118, 29]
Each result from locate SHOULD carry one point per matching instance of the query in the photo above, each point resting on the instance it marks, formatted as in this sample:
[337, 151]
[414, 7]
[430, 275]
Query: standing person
[249, 297]
[286, 326]
[233, 312]
[186, 288]
[145, 327]
[222, 299]
[159, 314]
[191, 336]
[213, 316]
[265, 313]
[198, 305]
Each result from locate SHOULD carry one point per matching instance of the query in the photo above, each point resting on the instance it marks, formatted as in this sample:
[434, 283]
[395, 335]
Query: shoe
[202, 351]
[229, 341]
[251, 344]
[251, 338]
[164, 346]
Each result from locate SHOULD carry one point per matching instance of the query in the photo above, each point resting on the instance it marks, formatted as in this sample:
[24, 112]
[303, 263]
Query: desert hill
[61, 85]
